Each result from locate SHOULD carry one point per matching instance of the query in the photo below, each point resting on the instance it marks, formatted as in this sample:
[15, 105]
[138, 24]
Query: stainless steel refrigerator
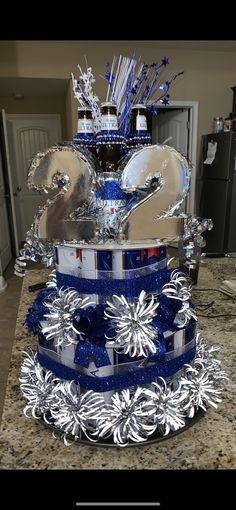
[216, 186]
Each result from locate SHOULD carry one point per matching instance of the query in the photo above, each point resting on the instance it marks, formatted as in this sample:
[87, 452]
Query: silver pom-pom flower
[169, 415]
[203, 379]
[60, 318]
[131, 320]
[199, 391]
[127, 417]
[38, 386]
[179, 288]
[77, 412]
[205, 359]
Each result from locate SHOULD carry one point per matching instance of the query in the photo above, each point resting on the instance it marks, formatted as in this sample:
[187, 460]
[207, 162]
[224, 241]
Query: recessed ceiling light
[18, 96]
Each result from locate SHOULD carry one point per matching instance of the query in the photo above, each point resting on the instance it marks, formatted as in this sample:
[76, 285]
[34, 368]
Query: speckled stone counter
[209, 444]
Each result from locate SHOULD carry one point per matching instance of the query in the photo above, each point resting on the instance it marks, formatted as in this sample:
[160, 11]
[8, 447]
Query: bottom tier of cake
[133, 415]
[125, 369]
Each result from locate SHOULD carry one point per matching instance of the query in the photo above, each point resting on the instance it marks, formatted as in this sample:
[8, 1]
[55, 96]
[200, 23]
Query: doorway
[177, 123]
[26, 136]
[5, 237]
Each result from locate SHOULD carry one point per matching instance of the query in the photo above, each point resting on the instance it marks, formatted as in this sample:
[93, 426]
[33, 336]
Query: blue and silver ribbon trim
[87, 139]
[110, 137]
[122, 380]
[152, 282]
[139, 137]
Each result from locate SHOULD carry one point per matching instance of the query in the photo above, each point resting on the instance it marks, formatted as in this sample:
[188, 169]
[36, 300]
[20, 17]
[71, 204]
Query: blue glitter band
[121, 381]
[110, 137]
[130, 288]
[139, 133]
[110, 132]
[139, 137]
[36, 312]
[85, 139]
[84, 136]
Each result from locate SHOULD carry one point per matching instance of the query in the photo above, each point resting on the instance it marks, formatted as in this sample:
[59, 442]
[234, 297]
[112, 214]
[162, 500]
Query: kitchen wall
[71, 113]
[37, 104]
[208, 75]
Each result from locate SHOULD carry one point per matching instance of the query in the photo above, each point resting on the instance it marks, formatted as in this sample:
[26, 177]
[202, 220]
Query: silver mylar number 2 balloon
[65, 168]
[161, 176]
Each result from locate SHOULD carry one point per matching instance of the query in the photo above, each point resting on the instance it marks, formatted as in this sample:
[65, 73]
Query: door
[172, 123]
[28, 135]
[9, 232]
[5, 240]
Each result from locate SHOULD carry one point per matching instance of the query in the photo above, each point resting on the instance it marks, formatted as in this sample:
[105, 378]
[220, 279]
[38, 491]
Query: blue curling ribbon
[93, 325]
[102, 287]
[36, 313]
[138, 377]
[92, 322]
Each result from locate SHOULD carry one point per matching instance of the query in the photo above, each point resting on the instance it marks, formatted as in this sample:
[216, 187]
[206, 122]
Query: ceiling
[220, 45]
[33, 87]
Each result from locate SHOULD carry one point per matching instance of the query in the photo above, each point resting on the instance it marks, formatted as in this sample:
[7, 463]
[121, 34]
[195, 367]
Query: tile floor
[9, 302]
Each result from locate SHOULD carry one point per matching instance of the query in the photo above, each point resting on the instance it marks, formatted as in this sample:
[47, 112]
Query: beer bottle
[138, 135]
[110, 144]
[85, 130]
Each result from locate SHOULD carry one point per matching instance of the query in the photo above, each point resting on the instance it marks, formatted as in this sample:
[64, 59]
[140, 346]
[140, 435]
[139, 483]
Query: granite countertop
[209, 444]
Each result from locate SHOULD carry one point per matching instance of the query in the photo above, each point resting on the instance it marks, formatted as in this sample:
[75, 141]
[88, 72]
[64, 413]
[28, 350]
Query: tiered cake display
[119, 360]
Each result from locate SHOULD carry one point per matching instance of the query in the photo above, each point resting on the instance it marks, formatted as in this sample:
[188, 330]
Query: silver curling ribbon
[20, 267]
